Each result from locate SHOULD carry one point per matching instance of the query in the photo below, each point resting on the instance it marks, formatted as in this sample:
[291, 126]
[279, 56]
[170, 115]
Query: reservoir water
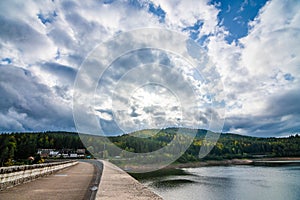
[226, 182]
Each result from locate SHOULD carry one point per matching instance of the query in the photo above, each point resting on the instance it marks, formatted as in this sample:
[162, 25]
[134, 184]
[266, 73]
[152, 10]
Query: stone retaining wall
[116, 184]
[14, 175]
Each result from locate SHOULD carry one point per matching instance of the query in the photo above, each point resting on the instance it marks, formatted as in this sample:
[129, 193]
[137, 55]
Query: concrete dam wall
[14, 175]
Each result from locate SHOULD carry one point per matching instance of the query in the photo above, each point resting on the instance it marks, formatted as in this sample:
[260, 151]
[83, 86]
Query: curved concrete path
[81, 182]
[117, 184]
[68, 184]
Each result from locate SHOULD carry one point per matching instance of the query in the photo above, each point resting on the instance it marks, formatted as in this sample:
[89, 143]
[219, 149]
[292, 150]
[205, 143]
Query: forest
[15, 148]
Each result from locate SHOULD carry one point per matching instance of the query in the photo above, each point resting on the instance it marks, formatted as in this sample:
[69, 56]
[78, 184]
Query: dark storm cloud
[287, 103]
[30, 105]
[18, 32]
[262, 126]
[25, 39]
[133, 112]
[280, 117]
[203, 119]
[110, 127]
[65, 72]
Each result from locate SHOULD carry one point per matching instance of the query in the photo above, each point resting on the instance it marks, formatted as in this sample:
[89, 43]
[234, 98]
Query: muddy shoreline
[231, 162]
[274, 161]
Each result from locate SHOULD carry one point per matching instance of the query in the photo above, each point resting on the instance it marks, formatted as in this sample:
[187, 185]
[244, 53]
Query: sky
[249, 80]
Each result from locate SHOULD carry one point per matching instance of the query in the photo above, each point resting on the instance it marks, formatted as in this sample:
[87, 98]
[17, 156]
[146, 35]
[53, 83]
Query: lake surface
[226, 182]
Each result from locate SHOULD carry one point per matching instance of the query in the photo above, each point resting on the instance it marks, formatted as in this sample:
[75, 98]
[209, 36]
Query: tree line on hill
[15, 148]
[228, 146]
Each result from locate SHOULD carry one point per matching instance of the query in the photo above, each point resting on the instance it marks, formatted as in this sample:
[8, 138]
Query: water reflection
[233, 182]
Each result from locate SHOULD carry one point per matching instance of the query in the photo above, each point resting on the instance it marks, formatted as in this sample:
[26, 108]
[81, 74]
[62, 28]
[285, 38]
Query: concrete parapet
[14, 175]
[117, 184]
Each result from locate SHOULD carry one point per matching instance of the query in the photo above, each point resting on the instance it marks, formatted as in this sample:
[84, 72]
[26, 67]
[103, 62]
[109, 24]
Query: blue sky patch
[288, 77]
[49, 18]
[57, 55]
[156, 10]
[136, 4]
[194, 30]
[108, 1]
[6, 61]
[235, 15]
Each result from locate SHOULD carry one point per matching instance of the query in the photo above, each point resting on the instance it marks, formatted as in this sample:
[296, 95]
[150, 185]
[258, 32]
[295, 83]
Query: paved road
[69, 184]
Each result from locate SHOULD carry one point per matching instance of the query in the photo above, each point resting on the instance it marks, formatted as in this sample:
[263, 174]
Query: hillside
[15, 148]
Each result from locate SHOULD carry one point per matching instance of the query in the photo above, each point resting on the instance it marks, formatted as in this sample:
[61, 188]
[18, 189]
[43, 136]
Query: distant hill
[229, 145]
[17, 147]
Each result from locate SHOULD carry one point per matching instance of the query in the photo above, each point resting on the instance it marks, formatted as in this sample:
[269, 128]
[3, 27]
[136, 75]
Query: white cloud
[182, 14]
[271, 45]
[51, 39]
[30, 105]
[150, 89]
[259, 68]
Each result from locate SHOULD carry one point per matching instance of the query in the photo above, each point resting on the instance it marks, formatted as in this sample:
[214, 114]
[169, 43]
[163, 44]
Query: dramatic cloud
[27, 104]
[252, 47]
[260, 69]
